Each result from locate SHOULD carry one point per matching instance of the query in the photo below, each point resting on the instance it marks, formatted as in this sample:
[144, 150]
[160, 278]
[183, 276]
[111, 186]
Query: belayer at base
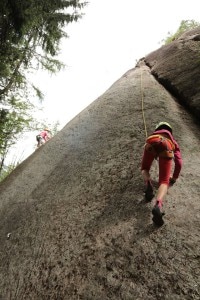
[160, 145]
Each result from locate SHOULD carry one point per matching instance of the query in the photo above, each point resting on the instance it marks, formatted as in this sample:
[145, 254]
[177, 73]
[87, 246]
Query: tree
[30, 36]
[184, 26]
[12, 123]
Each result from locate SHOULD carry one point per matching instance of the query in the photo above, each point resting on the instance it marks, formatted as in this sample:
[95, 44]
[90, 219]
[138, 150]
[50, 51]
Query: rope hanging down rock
[142, 99]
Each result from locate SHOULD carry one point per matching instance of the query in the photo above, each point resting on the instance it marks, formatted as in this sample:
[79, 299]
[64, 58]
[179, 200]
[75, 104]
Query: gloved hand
[171, 181]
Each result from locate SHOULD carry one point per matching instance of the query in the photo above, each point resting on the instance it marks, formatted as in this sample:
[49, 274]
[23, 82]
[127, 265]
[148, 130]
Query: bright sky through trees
[102, 46]
[105, 44]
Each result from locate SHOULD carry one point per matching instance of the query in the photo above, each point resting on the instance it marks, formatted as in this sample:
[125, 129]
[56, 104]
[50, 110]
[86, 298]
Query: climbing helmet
[164, 125]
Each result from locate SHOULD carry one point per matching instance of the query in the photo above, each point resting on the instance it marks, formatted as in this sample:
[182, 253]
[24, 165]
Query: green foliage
[15, 118]
[30, 36]
[184, 26]
[54, 128]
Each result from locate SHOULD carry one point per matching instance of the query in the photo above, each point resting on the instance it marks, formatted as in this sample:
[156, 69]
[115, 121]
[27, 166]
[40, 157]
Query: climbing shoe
[157, 216]
[149, 192]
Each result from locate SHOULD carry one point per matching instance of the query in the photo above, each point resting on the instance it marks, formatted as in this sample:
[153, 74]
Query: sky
[105, 43]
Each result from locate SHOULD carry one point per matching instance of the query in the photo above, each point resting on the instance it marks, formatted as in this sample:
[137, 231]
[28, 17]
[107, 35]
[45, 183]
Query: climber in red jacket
[161, 145]
[43, 137]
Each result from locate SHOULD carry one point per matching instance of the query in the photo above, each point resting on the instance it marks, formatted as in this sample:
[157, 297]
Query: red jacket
[177, 153]
[45, 135]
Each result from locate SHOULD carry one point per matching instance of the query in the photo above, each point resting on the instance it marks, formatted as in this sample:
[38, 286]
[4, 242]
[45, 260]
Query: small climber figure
[160, 145]
[43, 137]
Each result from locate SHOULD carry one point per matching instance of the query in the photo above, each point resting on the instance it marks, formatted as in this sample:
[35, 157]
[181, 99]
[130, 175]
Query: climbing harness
[160, 145]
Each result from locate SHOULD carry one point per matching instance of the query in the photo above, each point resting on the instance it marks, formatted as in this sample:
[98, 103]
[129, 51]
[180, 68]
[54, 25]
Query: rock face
[177, 67]
[73, 220]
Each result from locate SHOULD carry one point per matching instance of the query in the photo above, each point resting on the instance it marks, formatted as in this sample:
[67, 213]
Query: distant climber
[160, 145]
[43, 137]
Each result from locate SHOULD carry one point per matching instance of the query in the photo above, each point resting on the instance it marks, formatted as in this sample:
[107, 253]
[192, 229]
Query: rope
[142, 98]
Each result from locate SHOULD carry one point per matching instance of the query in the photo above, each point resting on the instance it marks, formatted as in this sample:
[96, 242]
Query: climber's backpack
[160, 145]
